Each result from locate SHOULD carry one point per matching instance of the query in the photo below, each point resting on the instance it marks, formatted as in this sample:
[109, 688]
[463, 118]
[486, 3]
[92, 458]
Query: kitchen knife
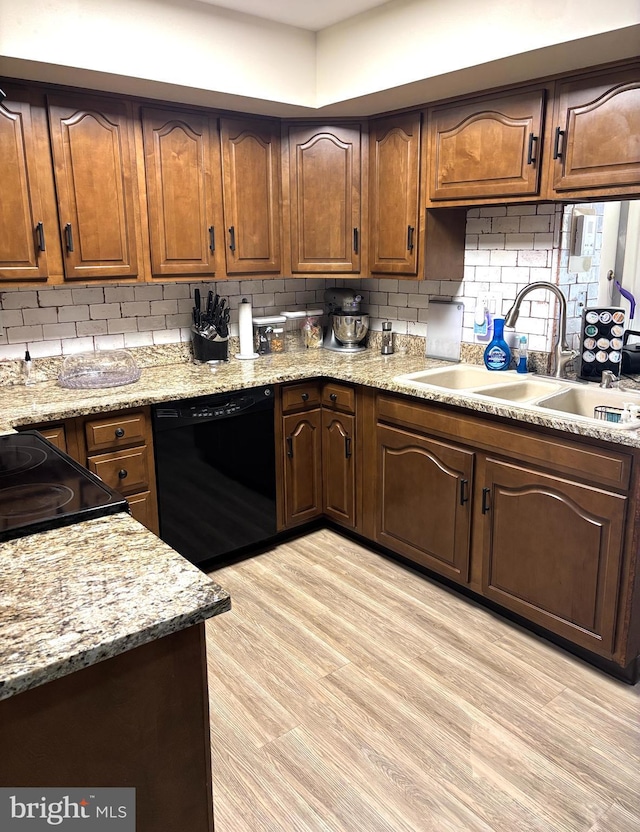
[210, 306]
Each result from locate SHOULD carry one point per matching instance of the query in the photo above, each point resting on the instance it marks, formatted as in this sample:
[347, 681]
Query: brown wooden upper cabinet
[488, 148]
[183, 190]
[252, 201]
[24, 232]
[322, 190]
[94, 166]
[394, 194]
[596, 134]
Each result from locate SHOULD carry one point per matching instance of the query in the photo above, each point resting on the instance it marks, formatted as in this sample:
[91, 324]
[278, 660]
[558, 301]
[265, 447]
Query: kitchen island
[103, 668]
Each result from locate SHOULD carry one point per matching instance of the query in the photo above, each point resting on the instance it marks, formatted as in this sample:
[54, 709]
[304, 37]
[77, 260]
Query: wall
[506, 248]
[406, 41]
[183, 45]
[403, 53]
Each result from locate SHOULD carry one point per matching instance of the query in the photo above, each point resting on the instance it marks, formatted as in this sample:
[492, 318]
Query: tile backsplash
[506, 248]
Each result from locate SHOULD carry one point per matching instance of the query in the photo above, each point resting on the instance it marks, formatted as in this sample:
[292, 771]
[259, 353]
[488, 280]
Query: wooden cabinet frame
[591, 114]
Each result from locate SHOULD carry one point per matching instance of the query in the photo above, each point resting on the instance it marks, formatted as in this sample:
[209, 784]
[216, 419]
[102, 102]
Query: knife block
[209, 349]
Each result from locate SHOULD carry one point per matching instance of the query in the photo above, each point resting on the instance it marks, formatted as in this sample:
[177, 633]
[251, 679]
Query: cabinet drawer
[339, 397]
[127, 471]
[114, 431]
[301, 397]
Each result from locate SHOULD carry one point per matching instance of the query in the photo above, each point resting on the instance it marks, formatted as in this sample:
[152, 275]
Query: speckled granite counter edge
[77, 595]
[56, 670]
[47, 401]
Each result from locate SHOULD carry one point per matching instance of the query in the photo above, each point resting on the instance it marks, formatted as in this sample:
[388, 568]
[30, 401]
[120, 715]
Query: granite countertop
[48, 401]
[74, 596]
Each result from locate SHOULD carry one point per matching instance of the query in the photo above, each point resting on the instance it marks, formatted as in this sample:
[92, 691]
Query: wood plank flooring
[349, 694]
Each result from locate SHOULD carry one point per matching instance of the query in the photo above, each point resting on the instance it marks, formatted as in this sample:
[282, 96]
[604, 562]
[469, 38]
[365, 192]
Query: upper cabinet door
[596, 133]
[251, 183]
[179, 149]
[324, 198]
[93, 155]
[23, 240]
[488, 148]
[394, 195]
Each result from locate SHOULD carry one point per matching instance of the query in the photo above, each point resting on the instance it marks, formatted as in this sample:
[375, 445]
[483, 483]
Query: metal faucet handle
[609, 379]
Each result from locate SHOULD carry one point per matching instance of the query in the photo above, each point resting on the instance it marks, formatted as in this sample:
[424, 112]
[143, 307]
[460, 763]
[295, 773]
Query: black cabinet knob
[305, 397]
[334, 397]
[119, 433]
[123, 474]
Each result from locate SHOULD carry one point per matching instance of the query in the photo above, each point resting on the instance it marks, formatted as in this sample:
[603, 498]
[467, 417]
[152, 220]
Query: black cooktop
[42, 488]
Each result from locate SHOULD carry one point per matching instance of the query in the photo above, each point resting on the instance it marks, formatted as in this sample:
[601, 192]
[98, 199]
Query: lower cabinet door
[302, 466]
[424, 506]
[552, 552]
[338, 467]
[144, 509]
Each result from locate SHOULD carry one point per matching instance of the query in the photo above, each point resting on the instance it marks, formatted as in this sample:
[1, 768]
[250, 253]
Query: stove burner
[30, 499]
[22, 458]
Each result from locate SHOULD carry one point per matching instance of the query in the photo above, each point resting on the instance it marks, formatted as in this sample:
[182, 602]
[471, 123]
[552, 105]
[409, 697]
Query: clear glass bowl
[106, 368]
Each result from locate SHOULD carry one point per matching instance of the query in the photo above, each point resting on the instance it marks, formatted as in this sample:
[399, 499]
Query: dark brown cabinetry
[302, 453]
[595, 134]
[322, 189]
[145, 720]
[118, 447]
[28, 225]
[94, 166]
[319, 453]
[488, 148]
[339, 453]
[183, 189]
[424, 508]
[251, 183]
[529, 520]
[394, 194]
[552, 551]
[303, 481]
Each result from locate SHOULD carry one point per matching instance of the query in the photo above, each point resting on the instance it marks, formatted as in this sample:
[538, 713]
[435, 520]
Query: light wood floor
[350, 695]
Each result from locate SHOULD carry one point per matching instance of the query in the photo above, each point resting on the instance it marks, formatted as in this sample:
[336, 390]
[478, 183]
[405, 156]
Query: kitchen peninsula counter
[47, 401]
[103, 678]
[74, 596]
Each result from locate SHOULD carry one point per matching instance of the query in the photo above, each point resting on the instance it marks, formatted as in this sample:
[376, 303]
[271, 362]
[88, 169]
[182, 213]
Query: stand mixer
[348, 327]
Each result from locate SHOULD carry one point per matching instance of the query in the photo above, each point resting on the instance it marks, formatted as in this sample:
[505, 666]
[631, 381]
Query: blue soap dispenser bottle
[521, 366]
[497, 355]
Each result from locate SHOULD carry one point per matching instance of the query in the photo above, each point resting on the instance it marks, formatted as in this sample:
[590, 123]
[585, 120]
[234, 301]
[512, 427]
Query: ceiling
[306, 14]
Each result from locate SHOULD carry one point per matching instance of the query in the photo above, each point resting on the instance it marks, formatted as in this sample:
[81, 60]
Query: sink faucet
[609, 379]
[563, 355]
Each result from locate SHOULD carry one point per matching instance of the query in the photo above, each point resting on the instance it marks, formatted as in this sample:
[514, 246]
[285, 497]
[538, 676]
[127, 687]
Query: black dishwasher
[215, 468]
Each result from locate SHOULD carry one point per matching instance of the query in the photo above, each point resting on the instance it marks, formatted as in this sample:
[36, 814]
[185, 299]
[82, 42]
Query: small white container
[269, 334]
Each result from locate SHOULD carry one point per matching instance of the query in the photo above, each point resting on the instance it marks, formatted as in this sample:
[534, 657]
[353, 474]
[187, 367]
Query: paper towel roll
[245, 330]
